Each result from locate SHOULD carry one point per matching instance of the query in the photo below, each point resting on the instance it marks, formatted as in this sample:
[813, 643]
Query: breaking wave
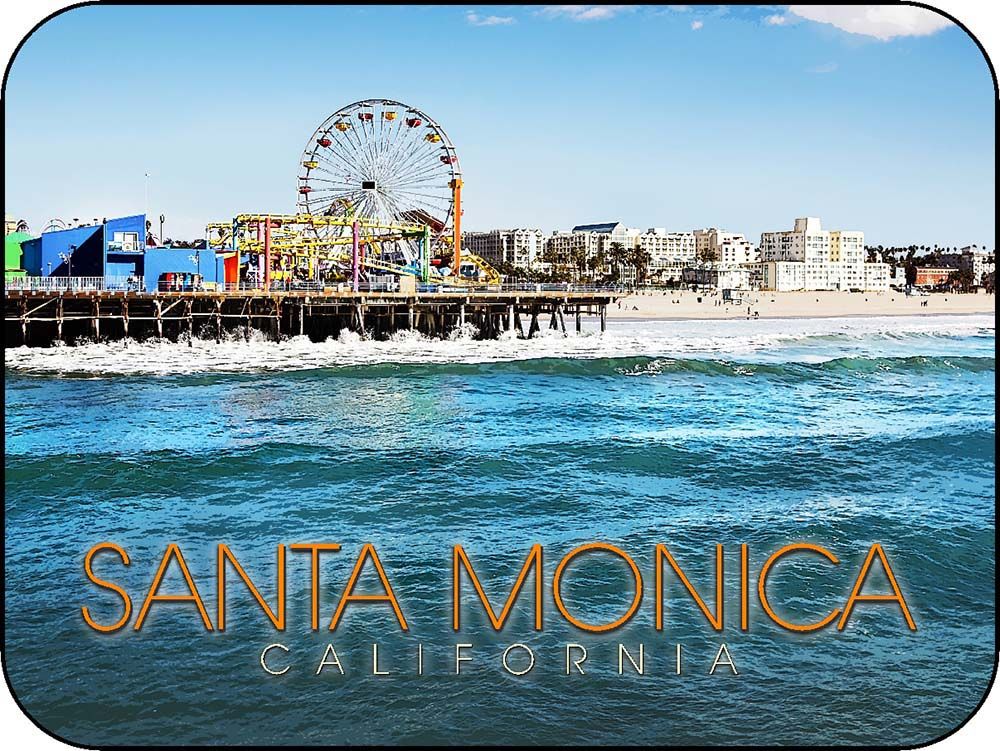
[778, 348]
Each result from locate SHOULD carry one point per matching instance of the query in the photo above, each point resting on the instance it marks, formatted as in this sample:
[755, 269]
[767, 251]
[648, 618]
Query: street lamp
[195, 259]
[67, 258]
[161, 228]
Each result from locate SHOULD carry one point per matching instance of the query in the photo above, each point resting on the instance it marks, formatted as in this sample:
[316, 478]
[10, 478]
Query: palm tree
[640, 260]
[579, 256]
[618, 256]
[596, 263]
[708, 255]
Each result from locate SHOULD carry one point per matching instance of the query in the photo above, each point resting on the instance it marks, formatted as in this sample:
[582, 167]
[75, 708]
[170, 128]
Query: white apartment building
[668, 246]
[877, 277]
[979, 261]
[611, 232]
[669, 252]
[847, 251]
[728, 248]
[521, 248]
[830, 260]
[563, 248]
[587, 241]
[779, 276]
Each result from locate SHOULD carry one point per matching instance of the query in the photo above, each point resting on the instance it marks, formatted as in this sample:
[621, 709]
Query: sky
[873, 118]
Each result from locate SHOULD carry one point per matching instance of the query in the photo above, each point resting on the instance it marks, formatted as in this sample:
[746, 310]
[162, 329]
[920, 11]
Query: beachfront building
[979, 262]
[664, 247]
[877, 277]
[732, 277]
[586, 250]
[982, 263]
[610, 233]
[729, 249]
[933, 276]
[829, 260]
[897, 277]
[669, 253]
[779, 276]
[520, 248]
[573, 252]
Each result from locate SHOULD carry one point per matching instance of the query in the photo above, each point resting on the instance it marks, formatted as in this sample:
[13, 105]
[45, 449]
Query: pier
[42, 318]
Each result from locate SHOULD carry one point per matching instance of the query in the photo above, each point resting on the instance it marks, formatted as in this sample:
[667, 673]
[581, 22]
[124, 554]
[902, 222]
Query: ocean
[837, 432]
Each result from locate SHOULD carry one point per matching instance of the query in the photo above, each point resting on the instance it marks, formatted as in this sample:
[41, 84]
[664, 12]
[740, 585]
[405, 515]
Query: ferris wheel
[382, 160]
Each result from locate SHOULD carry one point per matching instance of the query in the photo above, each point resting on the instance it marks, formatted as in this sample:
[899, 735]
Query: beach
[709, 305]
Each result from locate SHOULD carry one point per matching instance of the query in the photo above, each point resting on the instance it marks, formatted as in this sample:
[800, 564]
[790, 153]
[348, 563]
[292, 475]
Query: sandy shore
[687, 305]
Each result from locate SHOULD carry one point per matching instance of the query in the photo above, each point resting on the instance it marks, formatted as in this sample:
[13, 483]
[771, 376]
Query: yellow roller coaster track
[292, 242]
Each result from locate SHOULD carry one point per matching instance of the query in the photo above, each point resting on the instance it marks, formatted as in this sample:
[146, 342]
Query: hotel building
[670, 252]
[521, 248]
[587, 241]
[727, 248]
[980, 262]
[808, 257]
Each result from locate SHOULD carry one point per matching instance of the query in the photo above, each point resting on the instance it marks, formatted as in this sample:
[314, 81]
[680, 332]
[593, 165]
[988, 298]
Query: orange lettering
[557, 587]
[856, 596]
[715, 620]
[762, 593]
[534, 559]
[87, 566]
[314, 549]
[368, 551]
[225, 554]
[154, 596]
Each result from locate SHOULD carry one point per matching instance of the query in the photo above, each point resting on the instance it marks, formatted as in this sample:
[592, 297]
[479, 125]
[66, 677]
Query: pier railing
[421, 287]
[73, 284]
[135, 284]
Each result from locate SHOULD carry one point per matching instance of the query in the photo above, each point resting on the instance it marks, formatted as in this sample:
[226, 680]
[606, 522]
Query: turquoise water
[838, 433]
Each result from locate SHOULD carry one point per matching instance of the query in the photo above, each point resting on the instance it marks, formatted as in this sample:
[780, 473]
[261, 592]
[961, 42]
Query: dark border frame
[3, 568]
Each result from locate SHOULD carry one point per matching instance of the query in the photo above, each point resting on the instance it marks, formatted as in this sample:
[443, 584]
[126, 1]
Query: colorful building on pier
[115, 251]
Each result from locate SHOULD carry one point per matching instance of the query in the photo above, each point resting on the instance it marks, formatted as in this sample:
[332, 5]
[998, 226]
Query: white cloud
[880, 21]
[695, 25]
[477, 20]
[824, 68]
[775, 20]
[585, 12]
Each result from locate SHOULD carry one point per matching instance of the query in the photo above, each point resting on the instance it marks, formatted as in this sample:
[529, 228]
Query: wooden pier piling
[43, 318]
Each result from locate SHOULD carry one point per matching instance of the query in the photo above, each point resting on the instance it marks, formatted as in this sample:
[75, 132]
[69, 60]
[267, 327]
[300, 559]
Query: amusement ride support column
[355, 265]
[236, 252]
[267, 255]
[425, 255]
[456, 186]
[260, 257]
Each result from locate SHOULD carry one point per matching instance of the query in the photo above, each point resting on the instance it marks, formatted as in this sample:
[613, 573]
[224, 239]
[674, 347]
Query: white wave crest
[798, 340]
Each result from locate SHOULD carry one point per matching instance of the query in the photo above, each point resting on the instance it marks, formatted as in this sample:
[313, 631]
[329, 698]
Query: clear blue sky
[680, 117]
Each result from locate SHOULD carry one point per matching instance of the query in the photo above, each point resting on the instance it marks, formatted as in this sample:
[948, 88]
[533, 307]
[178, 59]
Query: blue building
[167, 260]
[115, 249]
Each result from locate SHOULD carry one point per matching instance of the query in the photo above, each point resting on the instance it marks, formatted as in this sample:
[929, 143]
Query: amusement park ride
[379, 196]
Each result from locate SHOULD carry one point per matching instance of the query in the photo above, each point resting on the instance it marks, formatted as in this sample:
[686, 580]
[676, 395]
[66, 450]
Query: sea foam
[753, 341]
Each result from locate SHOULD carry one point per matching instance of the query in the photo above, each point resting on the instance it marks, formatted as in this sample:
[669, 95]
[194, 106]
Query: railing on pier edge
[72, 284]
[133, 284]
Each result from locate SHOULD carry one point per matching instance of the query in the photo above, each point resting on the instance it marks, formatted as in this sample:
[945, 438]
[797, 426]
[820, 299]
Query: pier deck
[41, 318]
